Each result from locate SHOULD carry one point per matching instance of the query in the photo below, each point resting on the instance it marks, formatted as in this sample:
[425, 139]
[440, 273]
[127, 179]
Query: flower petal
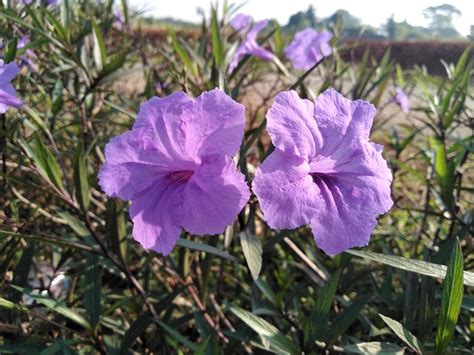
[133, 165]
[162, 123]
[240, 22]
[155, 215]
[291, 125]
[213, 196]
[308, 47]
[214, 124]
[8, 71]
[347, 217]
[286, 192]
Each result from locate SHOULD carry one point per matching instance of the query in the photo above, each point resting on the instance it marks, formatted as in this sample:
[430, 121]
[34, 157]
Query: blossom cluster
[176, 166]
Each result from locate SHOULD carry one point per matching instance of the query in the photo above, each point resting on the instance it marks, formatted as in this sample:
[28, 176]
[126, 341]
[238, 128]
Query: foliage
[74, 280]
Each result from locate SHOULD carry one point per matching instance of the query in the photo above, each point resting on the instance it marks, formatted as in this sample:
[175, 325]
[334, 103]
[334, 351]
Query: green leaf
[11, 306]
[10, 51]
[374, 348]
[217, 45]
[315, 325]
[252, 248]
[76, 225]
[135, 330]
[418, 266]
[115, 227]
[93, 285]
[44, 160]
[56, 306]
[278, 341]
[201, 349]
[100, 54]
[451, 300]
[81, 181]
[183, 55]
[445, 174]
[404, 334]
[186, 243]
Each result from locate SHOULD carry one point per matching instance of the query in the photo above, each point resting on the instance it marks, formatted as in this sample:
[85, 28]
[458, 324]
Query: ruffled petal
[347, 216]
[156, 214]
[133, 165]
[213, 196]
[287, 194]
[291, 125]
[162, 123]
[214, 124]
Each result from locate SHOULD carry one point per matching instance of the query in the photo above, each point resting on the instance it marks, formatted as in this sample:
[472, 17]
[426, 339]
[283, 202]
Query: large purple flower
[175, 166]
[250, 46]
[324, 171]
[7, 91]
[308, 47]
[402, 100]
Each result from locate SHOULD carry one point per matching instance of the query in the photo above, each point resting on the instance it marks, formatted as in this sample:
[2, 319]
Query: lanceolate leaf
[186, 243]
[56, 306]
[81, 181]
[404, 334]
[252, 248]
[418, 266]
[451, 300]
[278, 341]
[316, 322]
[92, 295]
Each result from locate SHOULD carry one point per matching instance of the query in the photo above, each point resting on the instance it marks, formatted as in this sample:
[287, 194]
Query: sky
[371, 12]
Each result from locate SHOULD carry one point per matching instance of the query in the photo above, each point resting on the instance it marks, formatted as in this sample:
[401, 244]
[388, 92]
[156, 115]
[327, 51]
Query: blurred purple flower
[308, 47]
[29, 56]
[402, 100]
[251, 47]
[241, 22]
[7, 91]
[46, 2]
[324, 171]
[119, 19]
[175, 166]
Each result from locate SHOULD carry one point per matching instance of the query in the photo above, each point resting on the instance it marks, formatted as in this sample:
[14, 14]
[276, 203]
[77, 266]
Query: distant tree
[302, 19]
[391, 28]
[441, 20]
[471, 34]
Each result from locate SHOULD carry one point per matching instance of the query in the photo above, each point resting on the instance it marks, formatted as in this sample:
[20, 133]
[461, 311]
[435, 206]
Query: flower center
[180, 176]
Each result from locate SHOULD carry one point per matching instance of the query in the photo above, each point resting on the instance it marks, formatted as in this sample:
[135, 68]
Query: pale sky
[371, 12]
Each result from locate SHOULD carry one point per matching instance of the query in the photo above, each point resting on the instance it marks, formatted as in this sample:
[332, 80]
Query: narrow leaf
[418, 266]
[404, 334]
[252, 248]
[451, 300]
[277, 340]
[56, 306]
[186, 243]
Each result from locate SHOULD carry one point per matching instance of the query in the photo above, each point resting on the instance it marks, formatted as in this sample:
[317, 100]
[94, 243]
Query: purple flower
[402, 100]
[308, 47]
[175, 166]
[119, 19]
[241, 22]
[7, 91]
[30, 54]
[324, 171]
[251, 47]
